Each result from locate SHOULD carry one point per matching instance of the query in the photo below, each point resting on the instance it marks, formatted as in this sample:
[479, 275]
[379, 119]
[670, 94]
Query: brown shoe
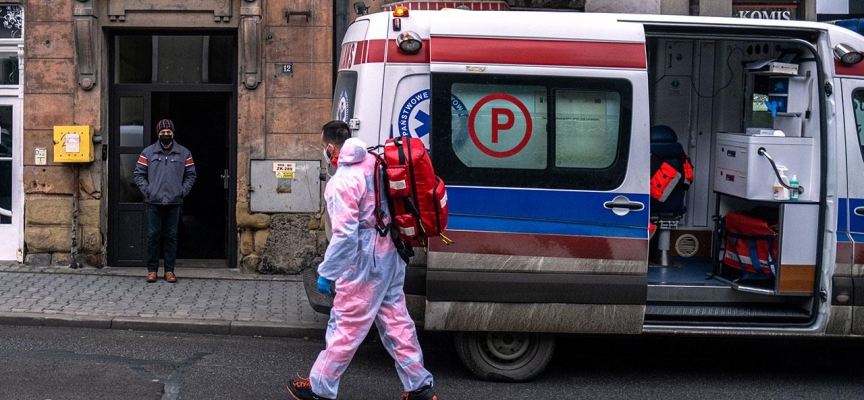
[151, 277]
[170, 277]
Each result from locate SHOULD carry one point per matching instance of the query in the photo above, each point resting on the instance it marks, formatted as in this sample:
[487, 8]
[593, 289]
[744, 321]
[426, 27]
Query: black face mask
[165, 139]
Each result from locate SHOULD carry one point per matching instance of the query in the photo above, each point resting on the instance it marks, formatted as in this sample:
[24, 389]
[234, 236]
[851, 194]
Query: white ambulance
[547, 128]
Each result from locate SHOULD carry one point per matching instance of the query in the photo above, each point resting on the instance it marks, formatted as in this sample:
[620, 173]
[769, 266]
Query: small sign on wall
[41, 156]
[284, 170]
[285, 69]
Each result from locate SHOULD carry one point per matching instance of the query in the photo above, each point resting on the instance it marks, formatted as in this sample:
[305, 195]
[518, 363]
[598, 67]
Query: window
[586, 126]
[174, 59]
[12, 18]
[494, 130]
[507, 131]
[858, 103]
[6, 166]
[344, 95]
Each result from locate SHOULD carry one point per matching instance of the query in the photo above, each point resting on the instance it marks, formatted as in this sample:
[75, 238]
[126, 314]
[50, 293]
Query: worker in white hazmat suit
[368, 275]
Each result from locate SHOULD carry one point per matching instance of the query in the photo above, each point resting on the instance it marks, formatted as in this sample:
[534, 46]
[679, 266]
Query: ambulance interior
[738, 107]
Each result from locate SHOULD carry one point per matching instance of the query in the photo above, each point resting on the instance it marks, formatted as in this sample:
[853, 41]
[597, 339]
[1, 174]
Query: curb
[137, 272]
[214, 327]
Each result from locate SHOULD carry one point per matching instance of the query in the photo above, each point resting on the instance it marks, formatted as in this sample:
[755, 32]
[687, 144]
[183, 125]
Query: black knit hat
[165, 124]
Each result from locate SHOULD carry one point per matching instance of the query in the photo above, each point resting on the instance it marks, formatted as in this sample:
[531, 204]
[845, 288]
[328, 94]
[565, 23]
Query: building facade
[248, 83]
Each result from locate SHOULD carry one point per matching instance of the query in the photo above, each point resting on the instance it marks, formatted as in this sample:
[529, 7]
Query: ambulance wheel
[505, 356]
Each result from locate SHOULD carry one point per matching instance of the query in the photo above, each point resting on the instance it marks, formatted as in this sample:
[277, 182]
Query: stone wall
[52, 97]
[281, 119]
[278, 118]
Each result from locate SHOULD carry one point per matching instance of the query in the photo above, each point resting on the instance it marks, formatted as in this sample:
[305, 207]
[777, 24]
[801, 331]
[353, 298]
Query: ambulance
[548, 129]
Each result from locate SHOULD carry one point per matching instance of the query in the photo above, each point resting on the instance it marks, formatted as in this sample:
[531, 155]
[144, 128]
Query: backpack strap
[403, 149]
[404, 249]
[379, 182]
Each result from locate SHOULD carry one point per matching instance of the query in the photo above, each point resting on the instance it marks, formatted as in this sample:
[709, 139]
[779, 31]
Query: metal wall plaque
[285, 69]
[285, 186]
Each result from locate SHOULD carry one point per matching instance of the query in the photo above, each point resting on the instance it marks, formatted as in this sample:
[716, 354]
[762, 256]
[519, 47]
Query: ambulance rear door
[850, 224]
[541, 133]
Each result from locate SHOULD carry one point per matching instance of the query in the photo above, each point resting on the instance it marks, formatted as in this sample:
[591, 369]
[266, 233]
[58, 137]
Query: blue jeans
[162, 221]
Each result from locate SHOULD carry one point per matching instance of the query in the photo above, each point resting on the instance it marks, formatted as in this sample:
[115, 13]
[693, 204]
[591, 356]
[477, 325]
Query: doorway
[190, 79]
[201, 124]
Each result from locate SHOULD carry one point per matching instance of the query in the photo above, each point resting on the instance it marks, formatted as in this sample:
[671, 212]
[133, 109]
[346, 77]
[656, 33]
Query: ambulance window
[344, 95]
[858, 103]
[497, 133]
[495, 130]
[586, 128]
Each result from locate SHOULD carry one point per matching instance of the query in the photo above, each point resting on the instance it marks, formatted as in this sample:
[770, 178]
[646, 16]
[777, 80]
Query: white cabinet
[740, 171]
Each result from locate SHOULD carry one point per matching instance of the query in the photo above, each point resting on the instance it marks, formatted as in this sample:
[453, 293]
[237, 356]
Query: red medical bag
[751, 246]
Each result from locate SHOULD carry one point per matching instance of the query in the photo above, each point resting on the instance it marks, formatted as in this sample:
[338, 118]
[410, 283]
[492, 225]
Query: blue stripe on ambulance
[842, 215]
[856, 222]
[543, 212]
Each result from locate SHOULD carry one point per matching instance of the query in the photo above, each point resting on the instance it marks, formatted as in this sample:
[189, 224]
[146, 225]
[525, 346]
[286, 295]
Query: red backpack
[417, 197]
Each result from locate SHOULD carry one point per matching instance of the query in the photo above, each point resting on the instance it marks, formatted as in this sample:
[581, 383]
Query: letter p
[496, 123]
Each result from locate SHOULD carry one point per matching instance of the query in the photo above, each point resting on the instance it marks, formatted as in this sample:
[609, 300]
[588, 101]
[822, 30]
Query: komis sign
[765, 11]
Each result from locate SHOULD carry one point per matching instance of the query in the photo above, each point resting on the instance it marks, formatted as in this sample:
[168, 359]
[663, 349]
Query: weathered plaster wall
[280, 118]
[283, 122]
[52, 97]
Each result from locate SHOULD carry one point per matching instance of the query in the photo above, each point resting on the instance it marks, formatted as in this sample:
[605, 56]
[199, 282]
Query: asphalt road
[70, 363]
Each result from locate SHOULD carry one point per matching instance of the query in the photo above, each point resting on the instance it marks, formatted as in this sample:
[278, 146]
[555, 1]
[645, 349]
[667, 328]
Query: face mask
[333, 159]
[166, 139]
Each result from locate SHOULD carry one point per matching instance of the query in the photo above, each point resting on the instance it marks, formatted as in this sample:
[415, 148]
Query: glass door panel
[11, 189]
[127, 221]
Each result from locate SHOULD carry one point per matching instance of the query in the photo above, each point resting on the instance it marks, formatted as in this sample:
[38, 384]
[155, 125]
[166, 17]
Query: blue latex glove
[324, 285]
[772, 106]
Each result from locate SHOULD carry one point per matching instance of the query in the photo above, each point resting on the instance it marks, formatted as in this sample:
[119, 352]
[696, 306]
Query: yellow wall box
[73, 144]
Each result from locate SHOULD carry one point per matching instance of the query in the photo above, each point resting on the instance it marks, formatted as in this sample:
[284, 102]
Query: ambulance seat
[665, 215]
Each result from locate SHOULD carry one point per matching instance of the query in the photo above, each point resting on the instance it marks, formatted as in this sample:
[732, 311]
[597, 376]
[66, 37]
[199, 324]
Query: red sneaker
[301, 389]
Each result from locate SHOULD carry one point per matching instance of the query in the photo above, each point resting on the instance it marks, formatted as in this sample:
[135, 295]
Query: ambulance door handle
[621, 205]
[859, 211]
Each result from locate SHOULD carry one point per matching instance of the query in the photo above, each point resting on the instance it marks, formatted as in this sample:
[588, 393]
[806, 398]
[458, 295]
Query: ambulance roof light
[409, 42]
[400, 11]
[847, 54]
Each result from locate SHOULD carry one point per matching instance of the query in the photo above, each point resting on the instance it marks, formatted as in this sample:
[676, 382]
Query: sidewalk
[204, 300]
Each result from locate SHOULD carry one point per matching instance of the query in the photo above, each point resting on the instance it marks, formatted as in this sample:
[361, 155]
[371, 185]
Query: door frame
[17, 225]
[146, 91]
[150, 88]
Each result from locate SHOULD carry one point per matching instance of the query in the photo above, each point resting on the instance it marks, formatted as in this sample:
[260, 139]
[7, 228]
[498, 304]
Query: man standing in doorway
[368, 275]
[165, 174]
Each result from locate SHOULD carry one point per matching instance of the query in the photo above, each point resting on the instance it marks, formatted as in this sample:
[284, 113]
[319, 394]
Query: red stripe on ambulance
[858, 257]
[538, 52]
[375, 50]
[516, 244]
[844, 253]
[438, 5]
[848, 70]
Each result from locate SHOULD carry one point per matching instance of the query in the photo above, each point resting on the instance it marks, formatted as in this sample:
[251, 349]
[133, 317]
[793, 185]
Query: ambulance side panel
[850, 221]
[541, 138]
[362, 62]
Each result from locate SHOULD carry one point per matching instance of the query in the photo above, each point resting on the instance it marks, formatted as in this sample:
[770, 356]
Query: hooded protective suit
[369, 276]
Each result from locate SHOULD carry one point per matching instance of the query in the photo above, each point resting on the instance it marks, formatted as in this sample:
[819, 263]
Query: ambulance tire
[505, 356]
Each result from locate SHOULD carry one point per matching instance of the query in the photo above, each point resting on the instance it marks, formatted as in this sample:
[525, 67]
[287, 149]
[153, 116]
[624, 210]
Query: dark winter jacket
[165, 176]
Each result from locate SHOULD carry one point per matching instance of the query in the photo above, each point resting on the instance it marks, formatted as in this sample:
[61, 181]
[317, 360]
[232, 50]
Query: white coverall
[369, 276]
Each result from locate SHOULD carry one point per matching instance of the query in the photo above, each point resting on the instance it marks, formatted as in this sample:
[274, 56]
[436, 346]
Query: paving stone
[105, 296]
